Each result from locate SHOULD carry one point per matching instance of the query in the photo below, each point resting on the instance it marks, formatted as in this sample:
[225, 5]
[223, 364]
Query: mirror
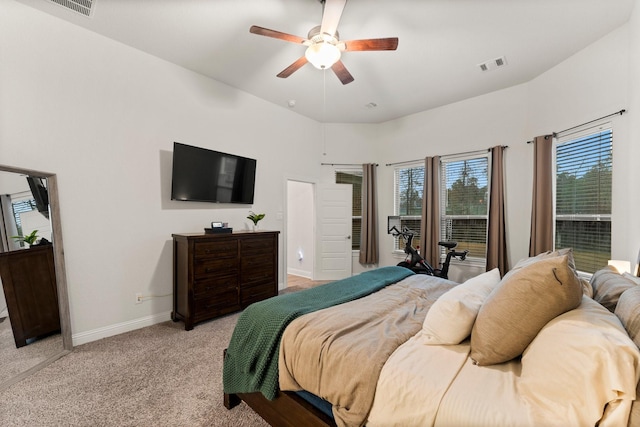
[21, 353]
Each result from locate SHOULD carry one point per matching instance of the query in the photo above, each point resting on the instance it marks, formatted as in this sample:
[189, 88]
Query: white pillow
[579, 362]
[451, 317]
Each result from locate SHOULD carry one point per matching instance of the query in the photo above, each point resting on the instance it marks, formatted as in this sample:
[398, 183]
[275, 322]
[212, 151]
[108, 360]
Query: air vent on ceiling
[83, 7]
[493, 63]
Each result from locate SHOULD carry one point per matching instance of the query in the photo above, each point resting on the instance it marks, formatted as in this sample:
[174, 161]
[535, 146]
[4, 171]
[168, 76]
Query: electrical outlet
[138, 298]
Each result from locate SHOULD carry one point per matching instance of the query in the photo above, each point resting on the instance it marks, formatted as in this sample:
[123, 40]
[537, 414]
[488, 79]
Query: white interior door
[333, 219]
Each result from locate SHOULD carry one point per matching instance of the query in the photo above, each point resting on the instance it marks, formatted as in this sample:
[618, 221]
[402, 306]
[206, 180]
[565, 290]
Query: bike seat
[448, 245]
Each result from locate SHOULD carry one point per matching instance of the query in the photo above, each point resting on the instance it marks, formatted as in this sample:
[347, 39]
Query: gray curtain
[369, 228]
[496, 230]
[542, 204]
[430, 224]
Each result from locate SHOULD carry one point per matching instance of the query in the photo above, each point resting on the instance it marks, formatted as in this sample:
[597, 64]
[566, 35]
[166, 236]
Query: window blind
[409, 188]
[583, 197]
[19, 207]
[464, 203]
[354, 177]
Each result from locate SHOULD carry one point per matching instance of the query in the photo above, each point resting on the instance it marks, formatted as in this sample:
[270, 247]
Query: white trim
[302, 273]
[119, 328]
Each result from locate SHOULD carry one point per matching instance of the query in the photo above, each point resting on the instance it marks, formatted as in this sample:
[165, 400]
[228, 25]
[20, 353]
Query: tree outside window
[464, 203]
[409, 187]
[583, 198]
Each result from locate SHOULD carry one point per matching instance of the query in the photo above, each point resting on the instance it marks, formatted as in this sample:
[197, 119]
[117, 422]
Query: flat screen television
[40, 194]
[203, 175]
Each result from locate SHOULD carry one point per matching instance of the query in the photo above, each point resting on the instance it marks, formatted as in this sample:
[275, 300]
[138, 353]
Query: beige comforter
[352, 342]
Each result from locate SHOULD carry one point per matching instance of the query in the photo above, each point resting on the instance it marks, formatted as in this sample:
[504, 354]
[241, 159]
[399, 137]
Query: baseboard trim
[301, 273]
[119, 328]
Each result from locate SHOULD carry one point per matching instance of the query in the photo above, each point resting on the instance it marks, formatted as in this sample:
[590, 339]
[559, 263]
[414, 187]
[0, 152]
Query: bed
[388, 347]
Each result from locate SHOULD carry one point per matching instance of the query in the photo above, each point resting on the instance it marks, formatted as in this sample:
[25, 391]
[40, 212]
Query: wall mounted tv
[40, 194]
[204, 175]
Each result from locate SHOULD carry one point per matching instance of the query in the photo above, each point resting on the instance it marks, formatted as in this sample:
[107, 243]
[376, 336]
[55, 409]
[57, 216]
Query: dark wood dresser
[217, 274]
[29, 283]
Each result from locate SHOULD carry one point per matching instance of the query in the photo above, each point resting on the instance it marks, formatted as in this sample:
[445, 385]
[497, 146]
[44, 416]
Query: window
[464, 195]
[354, 178]
[409, 186]
[19, 207]
[583, 197]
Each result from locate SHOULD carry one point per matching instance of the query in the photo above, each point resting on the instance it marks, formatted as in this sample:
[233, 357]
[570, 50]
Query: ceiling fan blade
[332, 11]
[276, 34]
[389, 43]
[293, 67]
[342, 73]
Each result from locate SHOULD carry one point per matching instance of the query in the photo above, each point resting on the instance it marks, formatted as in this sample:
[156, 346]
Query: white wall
[589, 85]
[477, 123]
[592, 84]
[104, 117]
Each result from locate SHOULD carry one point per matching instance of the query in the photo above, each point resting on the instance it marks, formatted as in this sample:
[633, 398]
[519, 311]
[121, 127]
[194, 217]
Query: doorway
[300, 229]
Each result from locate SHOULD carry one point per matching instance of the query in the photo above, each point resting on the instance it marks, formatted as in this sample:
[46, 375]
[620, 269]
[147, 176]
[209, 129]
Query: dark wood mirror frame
[61, 275]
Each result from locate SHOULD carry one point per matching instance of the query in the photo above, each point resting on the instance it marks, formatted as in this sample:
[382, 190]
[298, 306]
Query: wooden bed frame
[286, 410]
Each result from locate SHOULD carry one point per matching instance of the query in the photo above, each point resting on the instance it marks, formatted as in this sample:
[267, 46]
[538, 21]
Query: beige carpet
[14, 361]
[156, 376]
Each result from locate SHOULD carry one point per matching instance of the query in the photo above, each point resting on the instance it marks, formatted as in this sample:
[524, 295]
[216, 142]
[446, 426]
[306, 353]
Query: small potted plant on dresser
[255, 218]
[30, 239]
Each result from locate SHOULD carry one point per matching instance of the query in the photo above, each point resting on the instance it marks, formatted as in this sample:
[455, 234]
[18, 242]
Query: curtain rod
[555, 134]
[445, 155]
[342, 164]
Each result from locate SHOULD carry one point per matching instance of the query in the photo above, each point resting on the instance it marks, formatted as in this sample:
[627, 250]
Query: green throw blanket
[251, 362]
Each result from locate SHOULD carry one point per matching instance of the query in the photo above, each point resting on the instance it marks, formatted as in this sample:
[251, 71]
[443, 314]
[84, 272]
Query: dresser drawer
[210, 267]
[249, 295]
[261, 262]
[252, 247]
[215, 285]
[257, 278]
[210, 307]
[218, 249]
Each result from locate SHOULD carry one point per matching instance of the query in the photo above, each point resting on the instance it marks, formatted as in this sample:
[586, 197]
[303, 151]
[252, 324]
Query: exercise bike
[414, 260]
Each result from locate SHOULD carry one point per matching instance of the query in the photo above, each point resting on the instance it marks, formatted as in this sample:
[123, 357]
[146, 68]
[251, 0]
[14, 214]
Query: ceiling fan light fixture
[322, 55]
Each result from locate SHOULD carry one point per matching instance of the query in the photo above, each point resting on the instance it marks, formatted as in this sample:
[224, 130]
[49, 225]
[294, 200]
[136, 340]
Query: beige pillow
[451, 317]
[608, 285]
[524, 262]
[586, 286]
[520, 306]
[634, 279]
[628, 311]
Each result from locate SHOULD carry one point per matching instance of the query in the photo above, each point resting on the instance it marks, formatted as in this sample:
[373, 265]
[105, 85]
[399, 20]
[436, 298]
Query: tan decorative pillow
[524, 262]
[520, 306]
[608, 285]
[628, 311]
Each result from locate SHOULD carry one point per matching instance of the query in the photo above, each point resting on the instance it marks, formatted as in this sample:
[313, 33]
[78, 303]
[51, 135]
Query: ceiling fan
[324, 47]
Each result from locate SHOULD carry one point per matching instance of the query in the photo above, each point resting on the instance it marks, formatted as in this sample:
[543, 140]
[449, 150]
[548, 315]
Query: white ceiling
[441, 43]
